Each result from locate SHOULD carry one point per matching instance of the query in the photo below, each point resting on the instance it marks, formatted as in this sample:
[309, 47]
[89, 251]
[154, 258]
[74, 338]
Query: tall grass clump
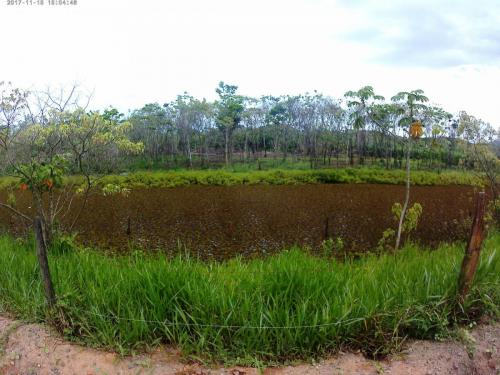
[288, 306]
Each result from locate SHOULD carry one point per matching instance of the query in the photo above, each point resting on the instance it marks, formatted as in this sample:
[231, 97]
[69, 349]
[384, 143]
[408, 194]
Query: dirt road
[32, 349]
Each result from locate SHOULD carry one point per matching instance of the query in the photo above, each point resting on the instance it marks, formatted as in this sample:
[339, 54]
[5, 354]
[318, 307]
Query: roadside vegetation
[288, 306]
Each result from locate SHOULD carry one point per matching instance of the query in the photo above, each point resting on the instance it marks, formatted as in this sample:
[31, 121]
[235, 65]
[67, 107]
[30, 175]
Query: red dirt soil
[32, 349]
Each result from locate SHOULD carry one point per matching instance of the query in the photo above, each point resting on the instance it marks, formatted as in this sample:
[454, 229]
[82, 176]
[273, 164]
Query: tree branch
[16, 212]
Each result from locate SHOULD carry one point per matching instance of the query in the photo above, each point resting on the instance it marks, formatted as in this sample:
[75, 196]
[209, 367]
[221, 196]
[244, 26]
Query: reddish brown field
[222, 222]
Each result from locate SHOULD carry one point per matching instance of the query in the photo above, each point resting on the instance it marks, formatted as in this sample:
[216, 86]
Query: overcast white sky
[134, 52]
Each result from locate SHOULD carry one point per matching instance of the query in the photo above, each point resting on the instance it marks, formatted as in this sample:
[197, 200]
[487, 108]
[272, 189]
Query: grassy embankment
[168, 179]
[287, 306]
[288, 177]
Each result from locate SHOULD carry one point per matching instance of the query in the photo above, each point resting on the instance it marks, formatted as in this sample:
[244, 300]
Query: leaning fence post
[473, 250]
[41, 253]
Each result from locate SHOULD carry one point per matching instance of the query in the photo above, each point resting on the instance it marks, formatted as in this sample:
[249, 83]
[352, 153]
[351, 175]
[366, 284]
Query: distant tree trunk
[226, 146]
[473, 251]
[41, 252]
[394, 152]
[285, 145]
[207, 157]
[276, 141]
[245, 149]
[190, 158]
[264, 141]
[350, 154]
[360, 146]
[387, 157]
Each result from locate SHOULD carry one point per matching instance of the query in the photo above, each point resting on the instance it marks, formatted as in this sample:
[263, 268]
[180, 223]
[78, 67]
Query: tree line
[361, 128]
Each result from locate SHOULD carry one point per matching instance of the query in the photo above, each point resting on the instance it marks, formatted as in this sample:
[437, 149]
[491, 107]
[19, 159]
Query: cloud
[427, 33]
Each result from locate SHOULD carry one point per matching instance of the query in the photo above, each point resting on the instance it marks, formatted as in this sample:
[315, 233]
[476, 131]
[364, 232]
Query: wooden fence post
[473, 251]
[41, 252]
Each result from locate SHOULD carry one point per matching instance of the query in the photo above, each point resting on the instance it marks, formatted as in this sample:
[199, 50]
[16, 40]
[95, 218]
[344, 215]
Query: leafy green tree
[229, 110]
[361, 105]
[479, 137]
[440, 135]
[53, 146]
[277, 118]
[112, 114]
[153, 126]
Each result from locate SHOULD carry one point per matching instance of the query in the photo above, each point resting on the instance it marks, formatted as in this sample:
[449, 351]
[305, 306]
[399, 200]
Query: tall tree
[229, 108]
[360, 103]
[277, 119]
[152, 124]
[411, 104]
[480, 136]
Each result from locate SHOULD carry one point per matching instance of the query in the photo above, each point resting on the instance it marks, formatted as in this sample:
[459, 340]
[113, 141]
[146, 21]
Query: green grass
[284, 307]
[288, 177]
[222, 177]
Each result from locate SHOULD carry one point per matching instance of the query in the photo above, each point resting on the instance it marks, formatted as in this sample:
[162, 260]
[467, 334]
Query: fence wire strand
[230, 326]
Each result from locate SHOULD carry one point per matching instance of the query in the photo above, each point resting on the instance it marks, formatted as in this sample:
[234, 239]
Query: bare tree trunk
[190, 157]
[276, 141]
[387, 159]
[473, 251]
[360, 146]
[407, 195]
[264, 140]
[285, 151]
[350, 153]
[41, 252]
[207, 157]
[226, 146]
